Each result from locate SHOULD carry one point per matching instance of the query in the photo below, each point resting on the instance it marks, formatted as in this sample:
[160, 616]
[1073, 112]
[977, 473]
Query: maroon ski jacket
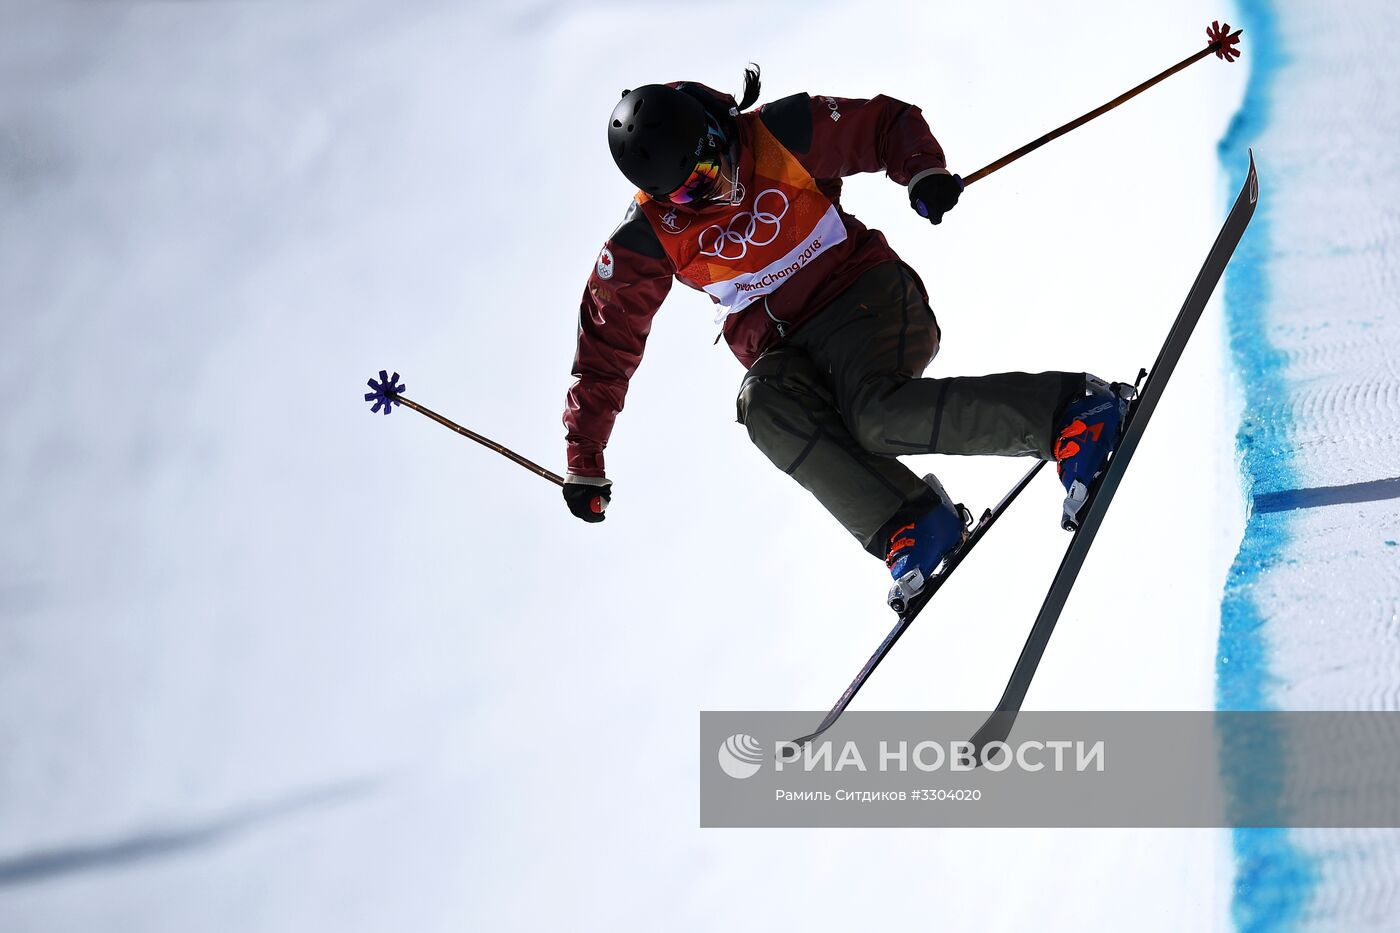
[830, 137]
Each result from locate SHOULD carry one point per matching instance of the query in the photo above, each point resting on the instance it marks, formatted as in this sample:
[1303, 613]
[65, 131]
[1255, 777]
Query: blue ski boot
[1089, 430]
[917, 548]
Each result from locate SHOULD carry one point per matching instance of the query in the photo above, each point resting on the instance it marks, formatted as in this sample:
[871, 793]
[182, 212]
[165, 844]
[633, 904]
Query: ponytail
[751, 86]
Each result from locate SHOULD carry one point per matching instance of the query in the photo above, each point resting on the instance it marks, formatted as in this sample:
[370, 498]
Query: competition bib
[740, 255]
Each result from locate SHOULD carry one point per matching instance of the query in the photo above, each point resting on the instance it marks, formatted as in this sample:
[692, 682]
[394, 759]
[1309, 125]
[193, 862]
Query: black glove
[588, 496]
[935, 194]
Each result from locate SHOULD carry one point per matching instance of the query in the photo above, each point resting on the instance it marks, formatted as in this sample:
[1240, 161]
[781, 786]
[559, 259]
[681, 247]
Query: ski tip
[996, 729]
[791, 750]
[1253, 179]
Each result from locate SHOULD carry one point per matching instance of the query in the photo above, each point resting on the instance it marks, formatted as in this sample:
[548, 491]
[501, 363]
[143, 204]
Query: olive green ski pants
[840, 399]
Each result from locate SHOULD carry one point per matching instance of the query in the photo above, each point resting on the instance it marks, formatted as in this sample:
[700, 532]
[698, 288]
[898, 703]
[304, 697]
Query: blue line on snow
[1273, 879]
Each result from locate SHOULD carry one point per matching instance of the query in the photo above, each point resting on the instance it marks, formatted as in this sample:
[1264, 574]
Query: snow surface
[1312, 611]
[268, 664]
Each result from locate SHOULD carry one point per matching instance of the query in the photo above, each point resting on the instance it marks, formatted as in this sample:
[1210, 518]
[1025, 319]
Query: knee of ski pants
[755, 396]
[769, 388]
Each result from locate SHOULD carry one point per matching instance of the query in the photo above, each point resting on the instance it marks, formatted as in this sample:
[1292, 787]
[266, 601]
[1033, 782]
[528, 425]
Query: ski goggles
[712, 168]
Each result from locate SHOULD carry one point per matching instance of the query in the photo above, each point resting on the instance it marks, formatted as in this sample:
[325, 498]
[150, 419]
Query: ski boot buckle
[905, 589]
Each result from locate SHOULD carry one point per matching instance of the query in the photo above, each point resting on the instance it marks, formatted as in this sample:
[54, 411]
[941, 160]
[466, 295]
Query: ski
[911, 612]
[998, 725]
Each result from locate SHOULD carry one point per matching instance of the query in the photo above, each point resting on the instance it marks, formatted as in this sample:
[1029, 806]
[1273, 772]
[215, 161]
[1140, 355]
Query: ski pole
[1222, 43]
[388, 392]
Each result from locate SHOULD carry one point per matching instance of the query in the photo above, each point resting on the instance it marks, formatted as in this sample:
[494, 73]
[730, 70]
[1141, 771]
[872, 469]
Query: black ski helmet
[656, 135]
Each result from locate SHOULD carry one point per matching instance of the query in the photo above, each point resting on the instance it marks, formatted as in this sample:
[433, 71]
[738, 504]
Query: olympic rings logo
[744, 228]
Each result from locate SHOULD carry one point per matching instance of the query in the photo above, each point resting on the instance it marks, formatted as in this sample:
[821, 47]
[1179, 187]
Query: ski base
[999, 724]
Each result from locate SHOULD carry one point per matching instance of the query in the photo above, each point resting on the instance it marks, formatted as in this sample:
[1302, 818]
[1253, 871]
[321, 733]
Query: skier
[833, 328]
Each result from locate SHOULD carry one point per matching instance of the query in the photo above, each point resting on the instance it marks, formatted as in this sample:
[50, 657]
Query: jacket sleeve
[838, 136]
[630, 279]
